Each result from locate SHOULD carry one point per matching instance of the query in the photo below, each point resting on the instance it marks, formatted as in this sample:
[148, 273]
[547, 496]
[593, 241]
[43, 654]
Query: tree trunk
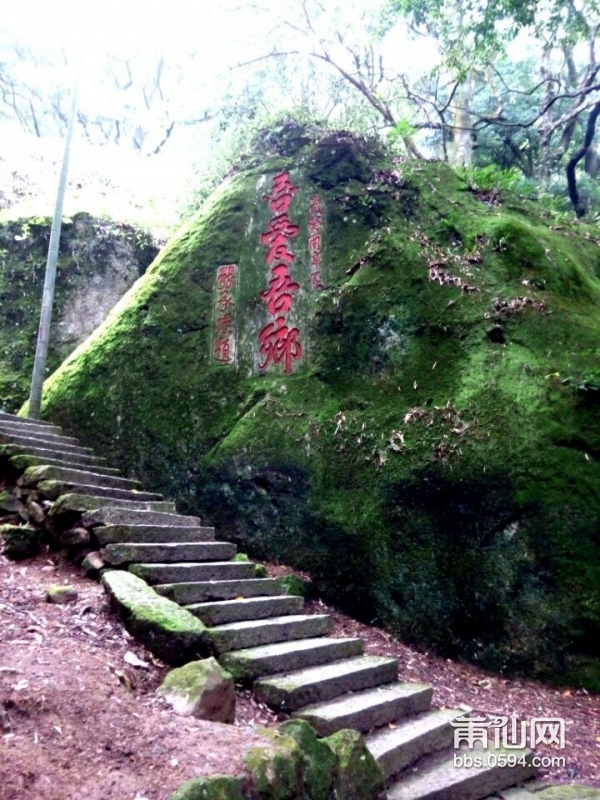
[461, 153]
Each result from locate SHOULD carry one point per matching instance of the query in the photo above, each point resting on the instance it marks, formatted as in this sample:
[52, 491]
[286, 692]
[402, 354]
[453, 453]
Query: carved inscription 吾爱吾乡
[279, 342]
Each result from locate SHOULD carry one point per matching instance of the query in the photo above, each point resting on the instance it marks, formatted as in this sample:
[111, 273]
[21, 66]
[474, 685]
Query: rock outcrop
[373, 371]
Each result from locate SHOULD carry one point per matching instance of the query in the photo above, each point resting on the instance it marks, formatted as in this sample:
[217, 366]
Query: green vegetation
[90, 250]
[433, 463]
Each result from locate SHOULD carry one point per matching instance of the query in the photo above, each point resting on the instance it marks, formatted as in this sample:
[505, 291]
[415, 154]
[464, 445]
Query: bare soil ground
[79, 715]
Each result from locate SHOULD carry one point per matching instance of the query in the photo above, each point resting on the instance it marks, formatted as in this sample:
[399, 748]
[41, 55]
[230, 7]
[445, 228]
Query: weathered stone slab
[91, 504]
[368, 709]
[316, 684]
[439, 779]
[54, 489]
[211, 570]
[203, 591]
[396, 748]
[240, 635]
[223, 611]
[269, 659]
[26, 460]
[80, 477]
[168, 630]
[150, 534]
[169, 552]
[146, 514]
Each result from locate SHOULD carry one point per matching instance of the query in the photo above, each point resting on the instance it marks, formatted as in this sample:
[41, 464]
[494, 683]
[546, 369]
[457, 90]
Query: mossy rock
[98, 261]
[276, 769]
[202, 689]
[293, 584]
[19, 541]
[359, 776]
[429, 458]
[214, 787]
[320, 763]
[166, 629]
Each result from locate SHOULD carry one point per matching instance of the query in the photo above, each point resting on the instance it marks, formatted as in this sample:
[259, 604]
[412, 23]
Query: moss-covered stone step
[153, 534]
[396, 748]
[240, 635]
[29, 427]
[224, 611]
[186, 573]
[6, 417]
[168, 630]
[167, 552]
[26, 442]
[76, 477]
[255, 662]
[88, 504]
[127, 514]
[80, 459]
[32, 437]
[204, 591]
[316, 684]
[54, 489]
[368, 709]
[437, 777]
[25, 460]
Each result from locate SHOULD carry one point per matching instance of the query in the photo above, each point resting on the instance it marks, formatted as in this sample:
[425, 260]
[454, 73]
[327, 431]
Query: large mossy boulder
[98, 261]
[372, 371]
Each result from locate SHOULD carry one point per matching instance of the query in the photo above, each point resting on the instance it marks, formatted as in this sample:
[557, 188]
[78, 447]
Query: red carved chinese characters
[223, 347]
[279, 343]
[315, 228]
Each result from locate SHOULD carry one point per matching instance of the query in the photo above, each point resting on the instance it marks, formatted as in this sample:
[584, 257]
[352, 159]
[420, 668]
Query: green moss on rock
[214, 787]
[432, 462]
[320, 763]
[275, 769]
[19, 541]
[359, 776]
[203, 689]
[168, 630]
[97, 260]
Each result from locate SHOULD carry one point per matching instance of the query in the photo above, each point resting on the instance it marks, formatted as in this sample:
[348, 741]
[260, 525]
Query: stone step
[31, 437]
[54, 489]
[154, 534]
[204, 591]
[304, 687]
[240, 635]
[211, 570]
[26, 442]
[167, 552]
[395, 748]
[74, 458]
[370, 709]
[6, 417]
[223, 611]
[79, 477]
[256, 662]
[437, 778]
[25, 460]
[88, 504]
[16, 425]
[113, 514]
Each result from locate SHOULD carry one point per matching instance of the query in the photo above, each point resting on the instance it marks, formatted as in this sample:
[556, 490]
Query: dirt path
[81, 720]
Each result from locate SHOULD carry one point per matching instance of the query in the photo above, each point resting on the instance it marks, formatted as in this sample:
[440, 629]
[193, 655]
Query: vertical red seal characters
[315, 229]
[279, 343]
[224, 331]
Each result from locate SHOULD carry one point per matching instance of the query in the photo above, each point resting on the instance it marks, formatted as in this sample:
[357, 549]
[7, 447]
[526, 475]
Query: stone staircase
[257, 631]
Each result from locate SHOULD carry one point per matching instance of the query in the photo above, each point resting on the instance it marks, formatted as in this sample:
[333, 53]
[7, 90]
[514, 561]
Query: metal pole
[41, 351]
